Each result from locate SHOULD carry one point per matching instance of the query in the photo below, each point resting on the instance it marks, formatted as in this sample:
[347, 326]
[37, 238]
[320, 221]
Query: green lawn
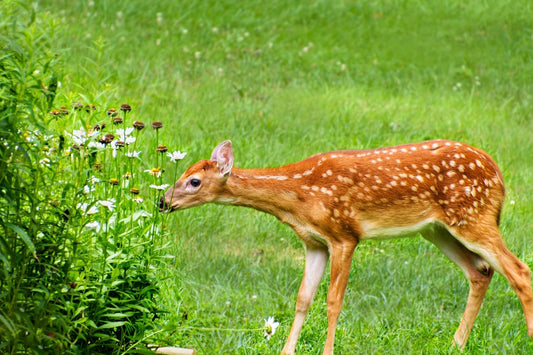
[284, 80]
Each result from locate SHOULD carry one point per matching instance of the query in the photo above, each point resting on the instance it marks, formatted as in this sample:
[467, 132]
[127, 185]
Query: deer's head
[201, 182]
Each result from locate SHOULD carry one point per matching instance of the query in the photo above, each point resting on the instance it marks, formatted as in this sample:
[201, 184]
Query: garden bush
[79, 223]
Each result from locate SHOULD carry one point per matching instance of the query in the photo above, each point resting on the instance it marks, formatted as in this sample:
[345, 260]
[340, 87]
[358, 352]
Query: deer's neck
[267, 190]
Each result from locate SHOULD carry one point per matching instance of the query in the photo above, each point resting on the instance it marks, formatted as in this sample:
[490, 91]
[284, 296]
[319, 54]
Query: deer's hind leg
[477, 271]
[486, 241]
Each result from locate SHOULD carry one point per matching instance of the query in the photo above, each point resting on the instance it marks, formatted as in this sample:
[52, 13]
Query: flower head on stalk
[110, 203]
[134, 154]
[87, 190]
[124, 134]
[155, 172]
[125, 108]
[112, 112]
[79, 136]
[107, 139]
[161, 148]
[160, 187]
[98, 167]
[93, 225]
[96, 145]
[45, 162]
[270, 327]
[88, 210]
[175, 156]
[138, 125]
[157, 125]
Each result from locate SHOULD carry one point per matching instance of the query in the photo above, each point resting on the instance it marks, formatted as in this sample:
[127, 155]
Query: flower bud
[157, 124]
[138, 125]
[161, 148]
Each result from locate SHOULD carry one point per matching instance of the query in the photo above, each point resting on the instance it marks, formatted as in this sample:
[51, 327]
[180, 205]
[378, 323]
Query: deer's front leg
[341, 262]
[315, 264]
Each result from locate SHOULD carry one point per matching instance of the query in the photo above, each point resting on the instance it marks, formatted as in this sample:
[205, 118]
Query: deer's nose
[162, 204]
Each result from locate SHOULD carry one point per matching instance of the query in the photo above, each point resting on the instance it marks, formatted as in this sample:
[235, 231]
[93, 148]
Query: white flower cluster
[80, 136]
[122, 135]
[93, 203]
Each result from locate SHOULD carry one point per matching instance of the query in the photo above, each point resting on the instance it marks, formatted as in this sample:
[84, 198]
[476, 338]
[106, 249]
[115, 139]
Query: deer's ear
[223, 156]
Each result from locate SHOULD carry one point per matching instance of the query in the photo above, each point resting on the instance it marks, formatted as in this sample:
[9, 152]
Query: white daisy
[154, 171]
[160, 187]
[88, 210]
[124, 133]
[93, 225]
[133, 154]
[110, 203]
[175, 156]
[96, 145]
[270, 327]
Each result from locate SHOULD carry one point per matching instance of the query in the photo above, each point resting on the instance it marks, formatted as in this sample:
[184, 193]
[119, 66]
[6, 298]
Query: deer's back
[406, 186]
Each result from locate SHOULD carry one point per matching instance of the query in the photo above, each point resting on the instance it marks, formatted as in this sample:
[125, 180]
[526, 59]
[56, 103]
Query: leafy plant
[28, 223]
[78, 246]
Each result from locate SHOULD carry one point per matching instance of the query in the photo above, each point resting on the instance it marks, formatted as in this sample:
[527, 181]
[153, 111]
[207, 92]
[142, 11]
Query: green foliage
[78, 249]
[28, 223]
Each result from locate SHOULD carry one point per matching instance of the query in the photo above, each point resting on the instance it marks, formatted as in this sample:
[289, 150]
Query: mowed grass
[284, 80]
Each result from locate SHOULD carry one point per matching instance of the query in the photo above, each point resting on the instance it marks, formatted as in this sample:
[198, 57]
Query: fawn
[449, 192]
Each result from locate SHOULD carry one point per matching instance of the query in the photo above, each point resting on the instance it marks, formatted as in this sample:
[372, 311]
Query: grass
[287, 80]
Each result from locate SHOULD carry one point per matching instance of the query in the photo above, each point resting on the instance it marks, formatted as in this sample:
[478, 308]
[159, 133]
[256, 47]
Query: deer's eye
[195, 182]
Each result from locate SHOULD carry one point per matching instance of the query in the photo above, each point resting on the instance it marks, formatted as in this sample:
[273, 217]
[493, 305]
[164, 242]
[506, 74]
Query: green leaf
[112, 325]
[8, 324]
[22, 233]
[120, 315]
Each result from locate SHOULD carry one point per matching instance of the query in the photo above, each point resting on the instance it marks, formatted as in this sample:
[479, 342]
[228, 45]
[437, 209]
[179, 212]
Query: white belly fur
[371, 230]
